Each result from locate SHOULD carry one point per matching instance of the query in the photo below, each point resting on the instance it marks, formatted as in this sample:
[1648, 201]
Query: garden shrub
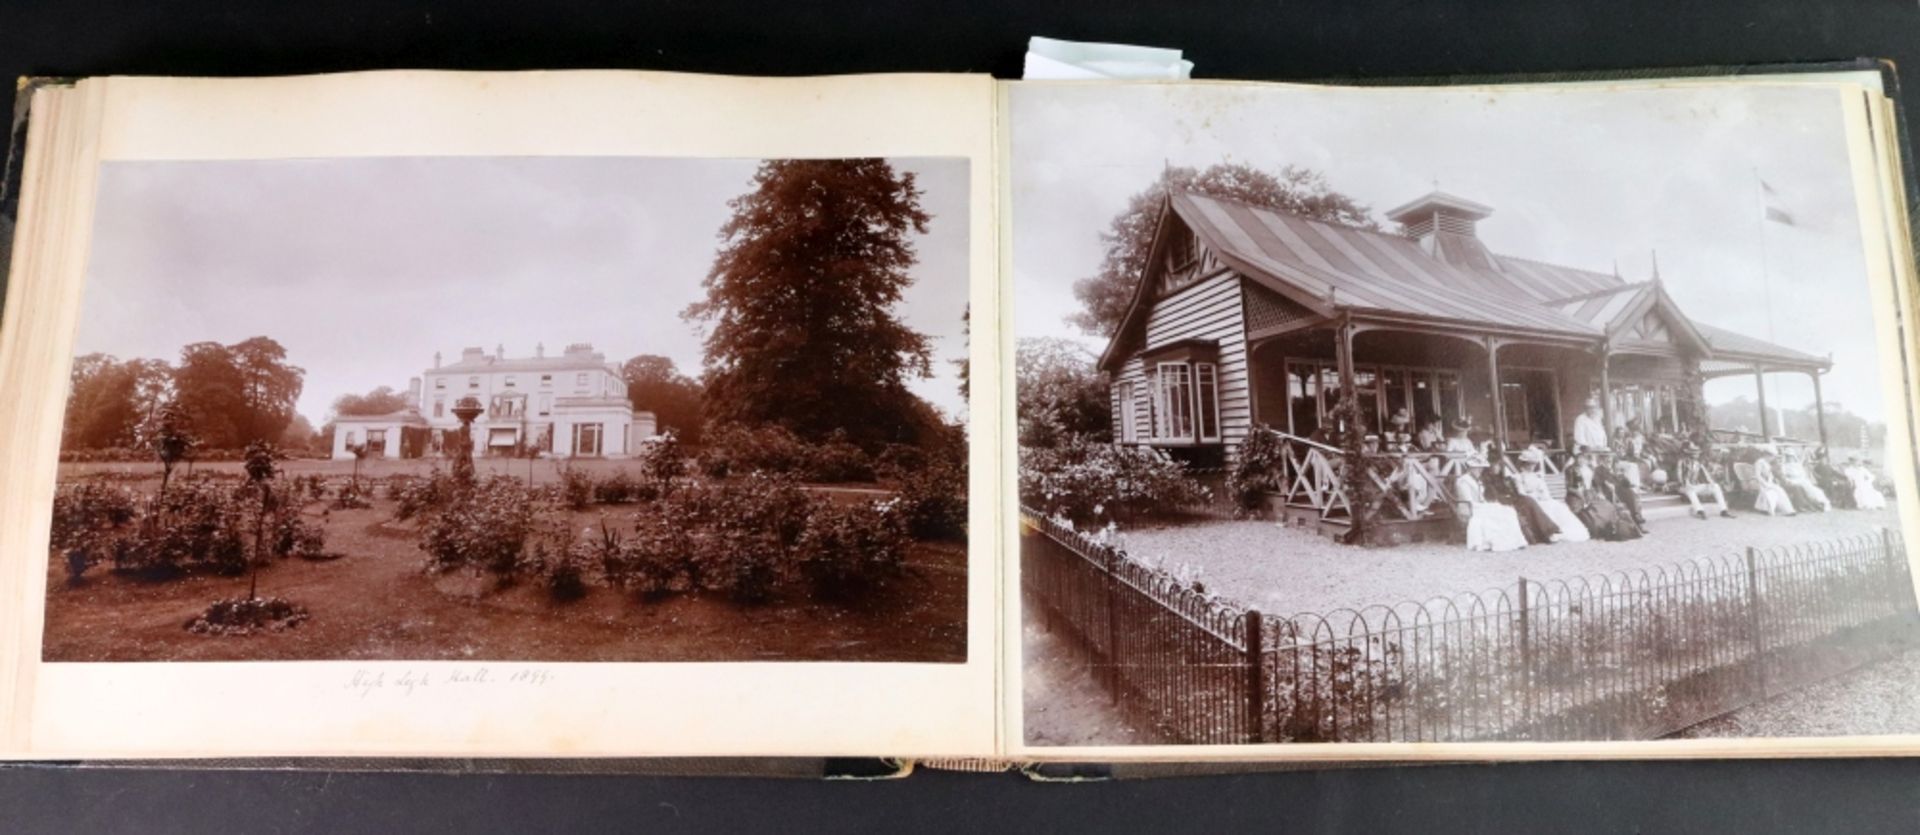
[662, 459]
[414, 495]
[933, 501]
[576, 488]
[899, 461]
[1090, 481]
[848, 553]
[1259, 469]
[617, 488]
[836, 460]
[483, 529]
[352, 496]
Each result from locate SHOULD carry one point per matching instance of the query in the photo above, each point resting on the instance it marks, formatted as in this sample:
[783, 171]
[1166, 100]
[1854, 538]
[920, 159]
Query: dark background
[1295, 39]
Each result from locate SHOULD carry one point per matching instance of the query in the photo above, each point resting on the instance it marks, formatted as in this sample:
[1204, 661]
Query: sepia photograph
[518, 409]
[1451, 416]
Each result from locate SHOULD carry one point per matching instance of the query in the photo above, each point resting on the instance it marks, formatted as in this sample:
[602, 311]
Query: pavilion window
[1173, 398]
[1207, 400]
[1129, 418]
[1313, 391]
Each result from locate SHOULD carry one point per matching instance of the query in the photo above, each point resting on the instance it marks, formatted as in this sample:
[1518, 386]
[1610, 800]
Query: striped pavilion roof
[1393, 274]
[1726, 343]
[1364, 270]
[1605, 308]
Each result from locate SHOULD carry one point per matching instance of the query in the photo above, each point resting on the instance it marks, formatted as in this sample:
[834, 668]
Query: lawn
[374, 602]
[1284, 571]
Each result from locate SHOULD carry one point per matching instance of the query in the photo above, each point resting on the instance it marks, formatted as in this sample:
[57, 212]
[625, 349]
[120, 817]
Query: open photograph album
[617, 414]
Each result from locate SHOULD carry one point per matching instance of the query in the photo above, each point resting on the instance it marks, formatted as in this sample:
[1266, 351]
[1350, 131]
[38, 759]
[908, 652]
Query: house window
[473, 382]
[1129, 417]
[546, 404]
[586, 438]
[580, 379]
[439, 382]
[1206, 394]
[546, 379]
[439, 407]
[376, 442]
[1173, 401]
[510, 381]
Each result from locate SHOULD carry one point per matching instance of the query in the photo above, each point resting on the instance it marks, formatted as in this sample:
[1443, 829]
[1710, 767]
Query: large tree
[237, 393]
[1060, 393]
[1291, 189]
[655, 385]
[109, 399]
[800, 303]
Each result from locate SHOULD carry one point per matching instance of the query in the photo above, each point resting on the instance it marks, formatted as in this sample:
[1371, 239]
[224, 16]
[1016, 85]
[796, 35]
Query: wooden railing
[1315, 475]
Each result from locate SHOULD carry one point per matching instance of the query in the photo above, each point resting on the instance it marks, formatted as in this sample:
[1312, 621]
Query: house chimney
[413, 393]
[539, 350]
[500, 350]
[1444, 226]
[473, 354]
[436, 359]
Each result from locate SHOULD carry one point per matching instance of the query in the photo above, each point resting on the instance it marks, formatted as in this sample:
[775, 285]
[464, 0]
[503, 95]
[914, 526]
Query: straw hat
[1533, 455]
[1399, 417]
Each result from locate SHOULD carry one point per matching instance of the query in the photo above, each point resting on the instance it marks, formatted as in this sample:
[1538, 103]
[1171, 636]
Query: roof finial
[1616, 267]
[1656, 265]
[1436, 182]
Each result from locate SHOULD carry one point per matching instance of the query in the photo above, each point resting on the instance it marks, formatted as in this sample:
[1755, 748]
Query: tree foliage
[1060, 393]
[801, 302]
[109, 399]
[1292, 189]
[655, 385]
[237, 393]
[381, 401]
[232, 394]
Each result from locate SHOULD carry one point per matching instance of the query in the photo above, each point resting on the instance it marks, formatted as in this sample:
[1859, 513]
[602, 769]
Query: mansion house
[571, 405]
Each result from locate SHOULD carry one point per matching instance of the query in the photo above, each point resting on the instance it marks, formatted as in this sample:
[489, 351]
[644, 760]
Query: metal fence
[1631, 655]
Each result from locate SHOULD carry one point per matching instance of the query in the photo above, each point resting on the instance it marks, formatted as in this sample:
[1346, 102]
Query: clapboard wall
[1210, 309]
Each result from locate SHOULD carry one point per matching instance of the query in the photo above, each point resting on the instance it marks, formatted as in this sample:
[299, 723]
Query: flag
[1772, 205]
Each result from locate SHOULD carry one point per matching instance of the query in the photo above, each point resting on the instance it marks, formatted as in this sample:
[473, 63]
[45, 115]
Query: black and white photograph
[1452, 416]
[519, 409]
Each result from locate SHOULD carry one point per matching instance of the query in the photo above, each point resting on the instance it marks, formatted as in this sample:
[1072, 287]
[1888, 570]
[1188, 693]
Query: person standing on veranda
[1589, 434]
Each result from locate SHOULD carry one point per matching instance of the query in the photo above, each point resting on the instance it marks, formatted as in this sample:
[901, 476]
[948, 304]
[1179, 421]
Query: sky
[364, 267]
[1576, 176]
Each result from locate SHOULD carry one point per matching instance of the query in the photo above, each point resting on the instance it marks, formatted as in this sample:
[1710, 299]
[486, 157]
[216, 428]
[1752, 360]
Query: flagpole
[1766, 277]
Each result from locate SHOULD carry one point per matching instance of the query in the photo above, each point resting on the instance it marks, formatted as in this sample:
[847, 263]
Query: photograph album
[623, 414]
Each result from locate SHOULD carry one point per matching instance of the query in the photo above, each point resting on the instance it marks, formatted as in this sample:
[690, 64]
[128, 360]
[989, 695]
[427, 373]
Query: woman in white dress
[1491, 526]
[1769, 497]
[1866, 495]
[1533, 484]
[1807, 495]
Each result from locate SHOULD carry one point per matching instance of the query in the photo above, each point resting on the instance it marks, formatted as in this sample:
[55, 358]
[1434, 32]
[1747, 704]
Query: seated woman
[1832, 480]
[1590, 496]
[1769, 496]
[1491, 526]
[1535, 525]
[1459, 442]
[1532, 484]
[1432, 438]
[1807, 496]
[1866, 494]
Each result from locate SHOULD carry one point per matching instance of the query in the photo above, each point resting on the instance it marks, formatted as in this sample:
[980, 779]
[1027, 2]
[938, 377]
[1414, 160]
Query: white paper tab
[1048, 58]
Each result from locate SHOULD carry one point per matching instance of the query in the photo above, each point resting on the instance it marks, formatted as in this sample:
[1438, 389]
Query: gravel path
[1881, 699]
[1285, 571]
[1063, 704]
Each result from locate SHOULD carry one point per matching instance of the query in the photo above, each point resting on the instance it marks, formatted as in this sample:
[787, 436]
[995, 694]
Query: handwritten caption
[407, 682]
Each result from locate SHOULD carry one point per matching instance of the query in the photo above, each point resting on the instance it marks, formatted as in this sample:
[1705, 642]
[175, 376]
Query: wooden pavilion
[1247, 316]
